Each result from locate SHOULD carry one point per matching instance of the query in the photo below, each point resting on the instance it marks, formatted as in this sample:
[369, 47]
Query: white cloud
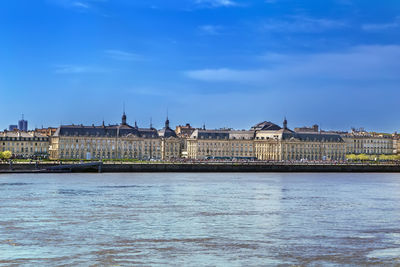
[301, 24]
[216, 3]
[77, 4]
[80, 5]
[123, 55]
[77, 69]
[381, 27]
[210, 29]
[363, 64]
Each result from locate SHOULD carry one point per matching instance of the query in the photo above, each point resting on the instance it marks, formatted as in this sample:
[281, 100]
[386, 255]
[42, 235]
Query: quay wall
[203, 167]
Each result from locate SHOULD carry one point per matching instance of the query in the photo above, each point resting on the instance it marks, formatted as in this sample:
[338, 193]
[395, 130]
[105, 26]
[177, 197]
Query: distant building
[12, 127]
[23, 124]
[50, 131]
[24, 144]
[396, 143]
[184, 131]
[362, 142]
[313, 129]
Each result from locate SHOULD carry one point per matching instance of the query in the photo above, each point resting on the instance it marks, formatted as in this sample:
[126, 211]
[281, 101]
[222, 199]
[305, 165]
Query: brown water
[200, 219]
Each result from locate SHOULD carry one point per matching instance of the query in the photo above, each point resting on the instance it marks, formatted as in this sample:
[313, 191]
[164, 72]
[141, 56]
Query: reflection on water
[200, 219]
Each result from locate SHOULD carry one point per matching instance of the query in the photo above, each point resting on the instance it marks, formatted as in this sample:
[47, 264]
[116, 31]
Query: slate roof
[314, 137]
[210, 134]
[105, 131]
[265, 126]
[167, 132]
[20, 135]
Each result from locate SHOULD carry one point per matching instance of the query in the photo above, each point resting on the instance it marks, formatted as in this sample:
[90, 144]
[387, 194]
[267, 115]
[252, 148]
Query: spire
[285, 124]
[204, 126]
[151, 123]
[103, 123]
[136, 124]
[167, 121]
[123, 116]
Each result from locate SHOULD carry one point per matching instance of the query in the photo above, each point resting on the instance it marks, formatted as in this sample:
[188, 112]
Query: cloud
[210, 29]
[382, 27]
[81, 5]
[123, 55]
[216, 3]
[358, 66]
[77, 69]
[302, 24]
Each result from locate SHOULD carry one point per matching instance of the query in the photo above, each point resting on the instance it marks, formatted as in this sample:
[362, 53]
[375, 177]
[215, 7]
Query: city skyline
[227, 63]
[124, 119]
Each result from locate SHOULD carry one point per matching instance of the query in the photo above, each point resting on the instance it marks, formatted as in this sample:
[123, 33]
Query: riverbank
[194, 167]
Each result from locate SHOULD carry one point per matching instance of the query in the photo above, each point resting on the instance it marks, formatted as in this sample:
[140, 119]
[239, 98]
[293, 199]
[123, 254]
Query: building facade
[170, 143]
[220, 144]
[283, 144]
[105, 142]
[24, 144]
[367, 143]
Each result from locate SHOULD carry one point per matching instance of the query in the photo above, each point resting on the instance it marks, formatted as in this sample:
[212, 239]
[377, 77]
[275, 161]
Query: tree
[351, 157]
[362, 157]
[6, 155]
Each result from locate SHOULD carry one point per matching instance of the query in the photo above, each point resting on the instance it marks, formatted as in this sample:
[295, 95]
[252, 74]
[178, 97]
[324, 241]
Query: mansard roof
[210, 134]
[167, 132]
[105, 131]
[312, 137]
[265, 126]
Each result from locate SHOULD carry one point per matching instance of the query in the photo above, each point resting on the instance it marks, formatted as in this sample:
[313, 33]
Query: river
[200, 219]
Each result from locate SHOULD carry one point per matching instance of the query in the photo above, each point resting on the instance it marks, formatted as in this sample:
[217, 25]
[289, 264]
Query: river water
[200, 219]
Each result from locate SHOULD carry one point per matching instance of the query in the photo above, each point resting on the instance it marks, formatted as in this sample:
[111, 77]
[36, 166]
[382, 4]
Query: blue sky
[226, 63]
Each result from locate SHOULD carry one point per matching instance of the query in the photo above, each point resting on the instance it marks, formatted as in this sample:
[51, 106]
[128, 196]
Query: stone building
[220, 144]
[24, 144]
[170, 143]
[105, 142]
[313, 129]
[275, 143]
[368, 143]
[184, 131]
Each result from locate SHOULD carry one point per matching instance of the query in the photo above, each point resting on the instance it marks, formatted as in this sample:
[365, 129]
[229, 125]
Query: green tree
[362, 157]
[351, 157]
[6, 155]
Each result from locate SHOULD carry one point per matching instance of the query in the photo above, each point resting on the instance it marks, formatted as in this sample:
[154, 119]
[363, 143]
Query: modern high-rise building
[12, 127]
[23, 124]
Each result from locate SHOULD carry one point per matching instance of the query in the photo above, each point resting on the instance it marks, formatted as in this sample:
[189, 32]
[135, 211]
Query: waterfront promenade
[209, 166]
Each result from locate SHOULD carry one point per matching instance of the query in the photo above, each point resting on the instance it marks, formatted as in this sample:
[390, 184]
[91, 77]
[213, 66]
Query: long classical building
[113, 142]
[266, 141]
[275, 143]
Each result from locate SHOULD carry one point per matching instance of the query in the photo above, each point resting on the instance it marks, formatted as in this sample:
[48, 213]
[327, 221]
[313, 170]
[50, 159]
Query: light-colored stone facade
[24, 144]
[265, 141]
[204, 144]
[114, 142]
[365, 143]
[286, 145]
[92, 147]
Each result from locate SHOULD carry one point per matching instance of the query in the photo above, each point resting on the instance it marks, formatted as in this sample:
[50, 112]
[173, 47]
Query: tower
[285, 124]
[124, 117]
[167, 123]
[23, 124]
